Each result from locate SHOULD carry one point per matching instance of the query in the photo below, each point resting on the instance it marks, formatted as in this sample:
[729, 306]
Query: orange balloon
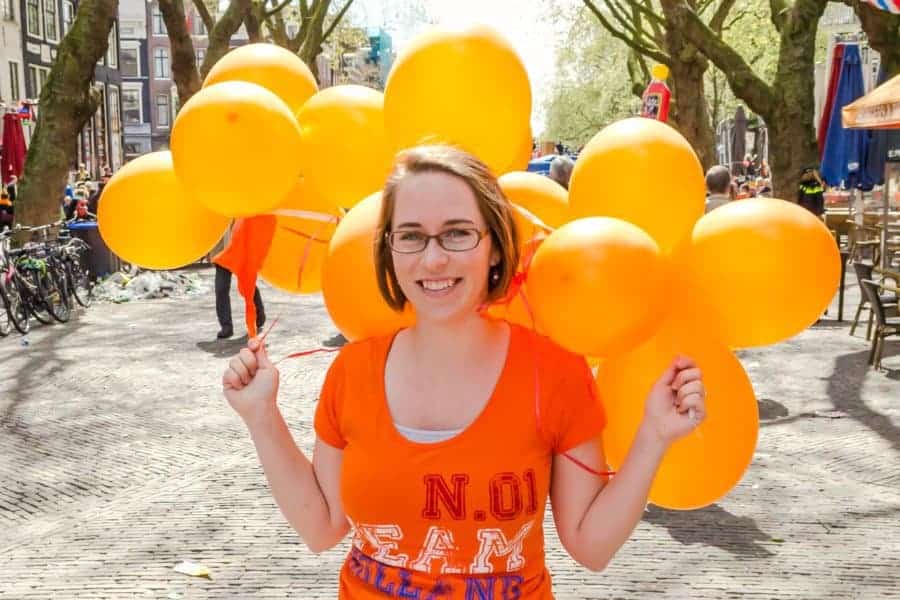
[234, 146]
[703, 466]
[304, 226]
[278, 70]
[644, 172]
[345, 154]
[348, 281]
[465, 87]
[596, 286]
[769, 268]
[540, 195]
[148, 220]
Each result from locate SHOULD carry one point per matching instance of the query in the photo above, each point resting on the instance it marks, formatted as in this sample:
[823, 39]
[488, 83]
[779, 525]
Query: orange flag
[244, 256]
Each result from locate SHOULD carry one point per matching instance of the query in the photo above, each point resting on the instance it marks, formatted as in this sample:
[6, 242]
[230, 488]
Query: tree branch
[718, 19]
[758, 94]
[220, 35]
[203, 11]
[335, 21]
[277, 9]
[652, 53]
[779, 10]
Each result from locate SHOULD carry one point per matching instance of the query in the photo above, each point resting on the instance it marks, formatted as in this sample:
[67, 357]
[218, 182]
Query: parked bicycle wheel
[80, 284]
[16, 307]
[39, 299]
[60, 305]
[5, 321]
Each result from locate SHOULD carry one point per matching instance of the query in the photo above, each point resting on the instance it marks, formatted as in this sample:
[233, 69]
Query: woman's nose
[433, 256]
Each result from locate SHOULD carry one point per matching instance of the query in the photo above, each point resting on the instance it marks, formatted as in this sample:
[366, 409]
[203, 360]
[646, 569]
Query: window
[112, 50]
[68, 16]
[33, 17]
[51, 21]
[161, 63]
[198, 26]
[37, 77]
[131, 60]
[115, 129]
[162, 110]
[131, 106]
[14, 90]
[200, 55]
[9, 12]
[159, 25]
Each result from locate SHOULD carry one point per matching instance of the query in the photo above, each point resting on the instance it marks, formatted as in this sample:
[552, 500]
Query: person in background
[561, 170]
[83, 174]
[12, 188]
[94, 198]
[811, 194]
[718, 187]
[223, 304]
[6, 212]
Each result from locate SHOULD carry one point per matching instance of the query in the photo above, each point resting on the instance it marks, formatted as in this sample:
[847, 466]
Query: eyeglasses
[458, 239]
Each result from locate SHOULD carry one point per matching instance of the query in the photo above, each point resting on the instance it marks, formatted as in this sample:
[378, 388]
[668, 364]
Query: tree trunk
[184, 61]
[220, 35]
[253, 19]
[67, 102]
[790, 119]
[787, 105]
[883, 32]
[690, 112]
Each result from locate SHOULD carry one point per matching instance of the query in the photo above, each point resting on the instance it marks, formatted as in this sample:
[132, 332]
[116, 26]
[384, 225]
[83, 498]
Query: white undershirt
[426, 436]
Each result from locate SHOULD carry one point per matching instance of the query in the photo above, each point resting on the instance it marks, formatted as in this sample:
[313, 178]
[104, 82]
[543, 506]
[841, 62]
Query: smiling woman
[438, 445]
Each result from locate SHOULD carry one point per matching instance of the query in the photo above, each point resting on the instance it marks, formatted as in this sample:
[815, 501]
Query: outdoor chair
[884, 326]
[864, 271]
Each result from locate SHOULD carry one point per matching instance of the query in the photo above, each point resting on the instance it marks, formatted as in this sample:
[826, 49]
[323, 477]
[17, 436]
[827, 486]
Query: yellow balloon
[234, 146]
[540, 195]
[520, 163]
[304, 226]
[275, 68]
[703, 466]
[596, 286]
[345, 155]
[465, 87]
[768, 267]
[148, 220]
[644, 172]
[349, 285]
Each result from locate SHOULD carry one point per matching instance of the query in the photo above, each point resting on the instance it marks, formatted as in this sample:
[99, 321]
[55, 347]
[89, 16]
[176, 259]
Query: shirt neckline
[484, 415]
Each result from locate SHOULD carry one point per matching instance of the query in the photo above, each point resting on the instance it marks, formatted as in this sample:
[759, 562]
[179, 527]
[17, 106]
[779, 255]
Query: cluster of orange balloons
[623, 267]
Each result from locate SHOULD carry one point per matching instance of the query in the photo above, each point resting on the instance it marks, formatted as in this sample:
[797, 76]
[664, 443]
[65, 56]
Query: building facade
[42, 25]
[12, 89]
[135, 70]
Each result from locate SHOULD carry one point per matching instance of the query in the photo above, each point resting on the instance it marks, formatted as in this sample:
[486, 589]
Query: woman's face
[442, 285]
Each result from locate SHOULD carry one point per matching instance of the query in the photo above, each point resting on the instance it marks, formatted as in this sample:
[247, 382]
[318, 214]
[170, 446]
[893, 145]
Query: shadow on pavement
[769, 409]
[845, 391]
[223, 348]
[712, 526]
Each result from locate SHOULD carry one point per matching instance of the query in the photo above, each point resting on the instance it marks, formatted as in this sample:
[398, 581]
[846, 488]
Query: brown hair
[493, 205]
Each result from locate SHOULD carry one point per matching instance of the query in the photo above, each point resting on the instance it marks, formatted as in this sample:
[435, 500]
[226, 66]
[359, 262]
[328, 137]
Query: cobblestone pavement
[119, 459]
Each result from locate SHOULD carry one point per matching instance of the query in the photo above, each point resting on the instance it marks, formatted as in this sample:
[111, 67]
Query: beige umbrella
[879, 109]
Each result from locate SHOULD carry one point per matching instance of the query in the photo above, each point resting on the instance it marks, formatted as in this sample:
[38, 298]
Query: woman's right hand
[250, 382]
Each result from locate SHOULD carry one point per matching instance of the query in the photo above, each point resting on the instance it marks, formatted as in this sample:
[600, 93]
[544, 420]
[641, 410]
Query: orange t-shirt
[462, 518]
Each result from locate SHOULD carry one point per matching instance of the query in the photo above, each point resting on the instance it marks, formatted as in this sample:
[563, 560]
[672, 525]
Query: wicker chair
[884, 326]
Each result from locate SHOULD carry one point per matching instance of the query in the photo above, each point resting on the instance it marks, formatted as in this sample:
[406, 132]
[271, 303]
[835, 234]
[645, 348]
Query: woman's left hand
[676, 404]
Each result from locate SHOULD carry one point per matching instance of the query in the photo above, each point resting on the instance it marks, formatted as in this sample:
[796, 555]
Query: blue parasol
[845, 149]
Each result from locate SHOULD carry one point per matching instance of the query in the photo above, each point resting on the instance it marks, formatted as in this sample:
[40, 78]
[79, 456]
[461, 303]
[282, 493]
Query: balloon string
[310, 239]
[519, 279]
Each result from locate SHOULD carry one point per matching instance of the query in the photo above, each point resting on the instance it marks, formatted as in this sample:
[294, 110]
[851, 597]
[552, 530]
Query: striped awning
[892, 6]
